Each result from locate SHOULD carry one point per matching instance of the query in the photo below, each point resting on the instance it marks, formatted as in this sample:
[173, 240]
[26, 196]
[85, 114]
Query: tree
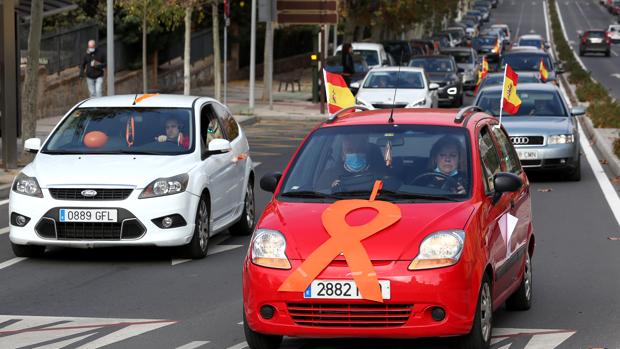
[30, 93]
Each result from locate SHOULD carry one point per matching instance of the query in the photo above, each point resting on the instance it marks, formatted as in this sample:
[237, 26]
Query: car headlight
[419, 103]
[165, 186]
[268, 249]
[27, 185]
[439, 249]
[561, 139]
[452, 90]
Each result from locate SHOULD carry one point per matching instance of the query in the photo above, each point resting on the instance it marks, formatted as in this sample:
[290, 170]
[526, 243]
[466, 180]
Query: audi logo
[520, 140]
[88, 193]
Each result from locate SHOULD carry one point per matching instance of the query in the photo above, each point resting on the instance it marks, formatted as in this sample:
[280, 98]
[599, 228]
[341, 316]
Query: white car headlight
[452, 90]
[27, 185]
[439, 249]
[420, 103]
[165, 186]
[268, 249]
[561, 139]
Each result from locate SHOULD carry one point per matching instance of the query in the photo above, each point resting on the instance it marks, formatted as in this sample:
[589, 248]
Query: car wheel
[574, 175]
[257, 340]
[197, 248]
[27, 250]
[581, 52]
[608, 53]
[522, 298]
[245, 225]
[480, 335]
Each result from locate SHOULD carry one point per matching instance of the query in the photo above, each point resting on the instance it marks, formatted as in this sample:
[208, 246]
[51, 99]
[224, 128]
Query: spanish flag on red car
[511, 102]
[338, 94]
[544, 73]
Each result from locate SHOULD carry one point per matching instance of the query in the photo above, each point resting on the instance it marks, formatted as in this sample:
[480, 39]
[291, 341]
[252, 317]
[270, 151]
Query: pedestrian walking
[348, 66]
[92, 66]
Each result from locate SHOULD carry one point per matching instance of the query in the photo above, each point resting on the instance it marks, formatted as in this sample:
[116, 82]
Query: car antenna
[400, 62]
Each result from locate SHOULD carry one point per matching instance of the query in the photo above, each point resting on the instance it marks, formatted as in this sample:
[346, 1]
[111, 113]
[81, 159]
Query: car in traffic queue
[544, 131]
[135, 170]
[598, 41]
[396, 87]
[496, 79]
[532, 40]
[528, 59]
[467, 60]
[506, 30]
[614, 33]
[461, 248]
[442, 70]
[374, 53]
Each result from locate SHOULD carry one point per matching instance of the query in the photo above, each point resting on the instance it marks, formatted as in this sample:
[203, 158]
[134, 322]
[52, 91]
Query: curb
[598, 142]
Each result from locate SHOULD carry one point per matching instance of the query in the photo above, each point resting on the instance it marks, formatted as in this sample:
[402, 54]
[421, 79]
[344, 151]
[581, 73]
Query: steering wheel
[359, 181]
[449, 182]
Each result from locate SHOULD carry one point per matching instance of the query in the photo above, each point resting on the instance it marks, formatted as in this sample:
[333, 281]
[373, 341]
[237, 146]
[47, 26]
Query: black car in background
[442, 70]
[399, 49]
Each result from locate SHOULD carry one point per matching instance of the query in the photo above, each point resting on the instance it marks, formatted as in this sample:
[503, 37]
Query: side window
[228, 122]
[508, 151]
[209, 126]
[488, 156]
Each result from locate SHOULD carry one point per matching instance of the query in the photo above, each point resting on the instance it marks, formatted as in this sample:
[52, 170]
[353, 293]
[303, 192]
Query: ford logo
[520, 140]
[89, 193]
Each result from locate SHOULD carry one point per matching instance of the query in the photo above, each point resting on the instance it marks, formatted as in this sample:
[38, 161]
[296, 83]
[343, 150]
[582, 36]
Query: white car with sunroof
[135, 170]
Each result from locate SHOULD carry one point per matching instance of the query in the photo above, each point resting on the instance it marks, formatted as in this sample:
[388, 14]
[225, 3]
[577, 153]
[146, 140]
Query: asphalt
[137, 298]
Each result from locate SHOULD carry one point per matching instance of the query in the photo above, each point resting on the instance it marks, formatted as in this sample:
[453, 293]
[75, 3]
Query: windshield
[433, 65]
[462, 57]
[526, 61]
[153, 131]
[493, 80]
[415, 162]
[390, 79]
[530, 42]
[533, 103]
[596, 35]
[487, 40]
[371, 56]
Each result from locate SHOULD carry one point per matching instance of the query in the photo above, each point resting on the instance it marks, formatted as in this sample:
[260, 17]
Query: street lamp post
[110, 51]
[252, 57]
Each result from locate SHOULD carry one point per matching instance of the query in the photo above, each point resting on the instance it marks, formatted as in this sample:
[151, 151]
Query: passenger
[448, 160]
[173, 134]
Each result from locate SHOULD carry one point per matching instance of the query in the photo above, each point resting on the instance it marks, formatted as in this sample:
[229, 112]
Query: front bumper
[551, 156]
[139, 212]
[407, 314]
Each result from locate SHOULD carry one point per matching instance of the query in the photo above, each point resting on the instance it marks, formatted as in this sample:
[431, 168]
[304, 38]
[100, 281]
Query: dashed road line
[4, 202]
[11, 262]
[214, 248]
[4, 230]
[239, 346]
[193, 345]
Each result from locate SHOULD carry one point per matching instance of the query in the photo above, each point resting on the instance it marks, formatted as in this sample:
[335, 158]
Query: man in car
[446, 170]
[173, 134]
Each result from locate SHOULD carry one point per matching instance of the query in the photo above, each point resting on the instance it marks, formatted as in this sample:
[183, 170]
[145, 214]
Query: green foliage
[605, 114]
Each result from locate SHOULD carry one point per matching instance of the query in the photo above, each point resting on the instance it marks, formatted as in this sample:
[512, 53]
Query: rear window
[530, 42]
[462, 57]
[600, 35]
[533, 103]
[526, 61]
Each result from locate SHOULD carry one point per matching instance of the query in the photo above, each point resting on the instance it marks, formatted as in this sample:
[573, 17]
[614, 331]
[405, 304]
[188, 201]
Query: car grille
[389, 105]
[102, 194]
[130, 229]
[527, 140]
[349, 315]
[526, 163]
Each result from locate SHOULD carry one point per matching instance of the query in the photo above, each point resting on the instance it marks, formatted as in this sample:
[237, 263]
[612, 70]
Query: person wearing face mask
[448, 162]
[92, 66]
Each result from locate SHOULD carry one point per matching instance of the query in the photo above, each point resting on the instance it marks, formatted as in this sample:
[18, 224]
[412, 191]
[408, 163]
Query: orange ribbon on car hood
[346, 239]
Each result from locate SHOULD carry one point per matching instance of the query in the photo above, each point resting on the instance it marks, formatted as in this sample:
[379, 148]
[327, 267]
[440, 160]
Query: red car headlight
[268, 249]
[439, 249]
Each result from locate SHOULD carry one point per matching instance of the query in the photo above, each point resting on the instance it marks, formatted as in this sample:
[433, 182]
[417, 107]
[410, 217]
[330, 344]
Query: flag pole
[501, 103]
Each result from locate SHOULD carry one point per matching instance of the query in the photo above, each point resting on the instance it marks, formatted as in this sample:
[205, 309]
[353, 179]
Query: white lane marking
[239, 346]
[193, 345]
[609, 192]
[545, 4]
[4, 230]
[617, 76]
[176, 261]
[4, 202]
[214, 248]
[614, 53]
[240, 323]
[545, 341]
[538, 338]
[557, 8]
[584, 14]
[256, 164]
[10, 262]
[520, 18]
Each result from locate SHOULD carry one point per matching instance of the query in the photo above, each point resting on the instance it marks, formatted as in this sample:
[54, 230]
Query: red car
[404, 225]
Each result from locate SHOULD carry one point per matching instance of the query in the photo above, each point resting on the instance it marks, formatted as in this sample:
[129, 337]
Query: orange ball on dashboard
[95, 139]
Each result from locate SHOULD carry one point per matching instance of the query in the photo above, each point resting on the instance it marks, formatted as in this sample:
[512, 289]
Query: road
[149, 298]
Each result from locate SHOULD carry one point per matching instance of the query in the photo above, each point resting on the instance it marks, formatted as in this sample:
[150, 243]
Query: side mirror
[32, 145]
[433, 86]
[269, 182]
[578, 110]
[547, 46]
[505, 183]
[219, 146]
[355, 85]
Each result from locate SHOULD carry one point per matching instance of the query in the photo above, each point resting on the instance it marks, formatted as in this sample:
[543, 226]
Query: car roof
[432, 57]
[415, 116]
[364, 45]
[154, 101]
[500, 26]
[413, 69]
[531, 86]
[526, 49]
[531, 36]
[519, 72]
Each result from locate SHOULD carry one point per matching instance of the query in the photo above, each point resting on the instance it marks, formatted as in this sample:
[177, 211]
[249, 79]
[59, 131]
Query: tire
[245, 224]
[480, 335]
[257, 340]
[198, 246]
[581, 52]
[521, 299]
[574, 175]
[27, 250]
[608, 53]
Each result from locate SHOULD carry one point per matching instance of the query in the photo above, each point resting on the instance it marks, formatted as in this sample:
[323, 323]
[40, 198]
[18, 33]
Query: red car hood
[301, 224]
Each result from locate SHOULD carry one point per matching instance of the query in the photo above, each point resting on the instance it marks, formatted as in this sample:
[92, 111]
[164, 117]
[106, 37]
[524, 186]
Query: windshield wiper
[308, 194]
[407, 195]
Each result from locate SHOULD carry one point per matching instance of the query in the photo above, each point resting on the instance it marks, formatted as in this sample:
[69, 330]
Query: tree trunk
[217, 69]
[144, 73]
[187, 82]
[30, 93]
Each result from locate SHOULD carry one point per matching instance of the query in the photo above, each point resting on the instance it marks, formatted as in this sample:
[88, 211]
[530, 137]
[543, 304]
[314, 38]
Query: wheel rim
[203, 225]
[485, 311]
[528, 278]
[249, 206]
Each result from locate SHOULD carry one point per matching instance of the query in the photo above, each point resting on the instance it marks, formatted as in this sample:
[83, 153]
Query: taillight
[608, 37]
[584, 38]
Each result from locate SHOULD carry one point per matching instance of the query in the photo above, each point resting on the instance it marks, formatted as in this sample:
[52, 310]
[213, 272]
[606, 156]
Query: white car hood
[386, 95]
[123, 170]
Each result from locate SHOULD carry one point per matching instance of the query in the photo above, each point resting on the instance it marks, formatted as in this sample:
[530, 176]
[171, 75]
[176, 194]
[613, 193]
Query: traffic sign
[307, 12]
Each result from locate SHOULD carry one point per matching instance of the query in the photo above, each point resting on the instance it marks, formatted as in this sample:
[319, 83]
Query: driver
[448, 161]
[173, 134]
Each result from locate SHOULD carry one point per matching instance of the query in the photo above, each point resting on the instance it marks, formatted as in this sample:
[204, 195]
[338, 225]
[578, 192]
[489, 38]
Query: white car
[374, 53]
[394, 87]
[614, 32]
[153, 170]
